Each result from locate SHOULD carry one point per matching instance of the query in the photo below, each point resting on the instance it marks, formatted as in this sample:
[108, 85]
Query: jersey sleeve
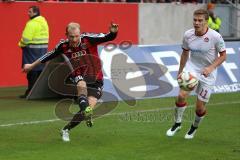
[52, 54]
[185, 43]
[95, 39]
[220, 44]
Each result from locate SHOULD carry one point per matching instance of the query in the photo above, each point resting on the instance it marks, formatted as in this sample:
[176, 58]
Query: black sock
[83, 102]
[192, 129]
[77, 118]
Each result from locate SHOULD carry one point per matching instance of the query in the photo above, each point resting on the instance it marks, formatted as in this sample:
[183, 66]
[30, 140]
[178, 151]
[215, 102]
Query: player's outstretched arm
[101, 38]
[29, 67]
[113, 28]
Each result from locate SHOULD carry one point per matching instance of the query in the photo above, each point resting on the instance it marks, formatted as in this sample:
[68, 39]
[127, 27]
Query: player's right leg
[76, 120]
[179, 110]
[65, 135]
[83, 100]
[82, 95]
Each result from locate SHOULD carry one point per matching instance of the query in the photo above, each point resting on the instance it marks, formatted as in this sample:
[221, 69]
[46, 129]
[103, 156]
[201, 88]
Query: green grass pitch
[29, 130]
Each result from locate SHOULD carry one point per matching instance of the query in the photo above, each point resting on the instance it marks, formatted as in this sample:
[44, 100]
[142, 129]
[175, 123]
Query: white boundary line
[30, 122]
[110, 114]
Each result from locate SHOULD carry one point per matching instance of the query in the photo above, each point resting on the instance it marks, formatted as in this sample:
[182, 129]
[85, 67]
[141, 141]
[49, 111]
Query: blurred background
[143, 22]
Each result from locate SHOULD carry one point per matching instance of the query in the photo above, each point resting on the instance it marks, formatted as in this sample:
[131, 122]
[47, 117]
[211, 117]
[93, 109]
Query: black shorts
[94, 88]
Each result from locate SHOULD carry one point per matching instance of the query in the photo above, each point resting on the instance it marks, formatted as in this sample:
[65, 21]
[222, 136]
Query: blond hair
[72, 26]
[202, 12]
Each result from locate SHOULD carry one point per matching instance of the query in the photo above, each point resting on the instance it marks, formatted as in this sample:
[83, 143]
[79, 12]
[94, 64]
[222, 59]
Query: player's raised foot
[88, 116]
[89, 121]
[191, 132]
[88, 111]
[176, 127]
[65, 135]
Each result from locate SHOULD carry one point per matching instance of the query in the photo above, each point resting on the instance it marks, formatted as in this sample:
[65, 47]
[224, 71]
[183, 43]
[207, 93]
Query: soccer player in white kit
[203, 51]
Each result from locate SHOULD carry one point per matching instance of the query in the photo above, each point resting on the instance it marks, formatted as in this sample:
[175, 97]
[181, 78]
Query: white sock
[179, 113]
[197, 120]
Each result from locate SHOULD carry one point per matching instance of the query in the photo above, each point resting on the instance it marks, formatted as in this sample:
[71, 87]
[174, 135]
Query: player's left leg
[94, 93]
[92, 103]
[204, 92]
[199, 115]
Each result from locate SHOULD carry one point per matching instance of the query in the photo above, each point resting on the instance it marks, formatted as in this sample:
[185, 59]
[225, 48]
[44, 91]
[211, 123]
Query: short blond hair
[203, 12]
[72, 26]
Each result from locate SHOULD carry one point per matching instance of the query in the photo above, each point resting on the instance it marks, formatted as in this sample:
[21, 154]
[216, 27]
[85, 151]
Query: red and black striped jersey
[83, 60]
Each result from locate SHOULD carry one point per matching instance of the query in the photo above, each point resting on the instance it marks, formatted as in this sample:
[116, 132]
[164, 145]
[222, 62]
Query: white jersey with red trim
[203, 52]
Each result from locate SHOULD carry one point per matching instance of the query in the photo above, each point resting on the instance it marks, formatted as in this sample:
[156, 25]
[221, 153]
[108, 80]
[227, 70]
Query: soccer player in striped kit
[81, 55]
[203, 51]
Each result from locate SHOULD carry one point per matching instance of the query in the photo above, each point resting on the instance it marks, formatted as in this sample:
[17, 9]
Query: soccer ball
[187, 81]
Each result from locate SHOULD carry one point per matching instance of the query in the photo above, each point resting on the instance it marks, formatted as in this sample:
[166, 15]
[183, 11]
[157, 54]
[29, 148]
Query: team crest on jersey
[78, 54]
[206, 39]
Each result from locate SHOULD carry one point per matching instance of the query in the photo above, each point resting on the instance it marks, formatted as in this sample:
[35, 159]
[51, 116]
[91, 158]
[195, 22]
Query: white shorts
[203, 91]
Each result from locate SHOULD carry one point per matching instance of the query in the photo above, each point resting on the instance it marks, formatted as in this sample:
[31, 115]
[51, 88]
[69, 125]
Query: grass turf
[136, 132]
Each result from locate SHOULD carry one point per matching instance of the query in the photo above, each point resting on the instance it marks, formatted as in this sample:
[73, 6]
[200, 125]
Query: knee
[81, 84]
[92, 101]
[182, 97]
[201, 110]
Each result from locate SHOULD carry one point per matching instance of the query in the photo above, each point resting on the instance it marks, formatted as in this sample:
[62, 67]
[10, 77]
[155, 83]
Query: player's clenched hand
[207, 70]
[27, 68]
[113, 27]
